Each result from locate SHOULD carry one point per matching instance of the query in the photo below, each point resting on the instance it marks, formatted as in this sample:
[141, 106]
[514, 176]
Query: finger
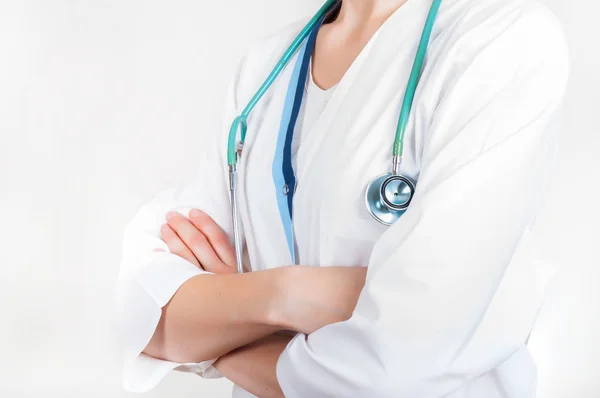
[216, 236]
[194, 240]
[176, 245]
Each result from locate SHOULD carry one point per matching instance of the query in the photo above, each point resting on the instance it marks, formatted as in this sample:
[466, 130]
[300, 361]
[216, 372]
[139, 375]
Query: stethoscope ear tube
[237, 235]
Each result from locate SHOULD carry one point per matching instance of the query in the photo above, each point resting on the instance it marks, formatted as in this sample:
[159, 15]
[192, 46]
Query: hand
[199, 240]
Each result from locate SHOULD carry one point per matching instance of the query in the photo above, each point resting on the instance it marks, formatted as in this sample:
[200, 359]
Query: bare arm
[253, 367]
[211, 315]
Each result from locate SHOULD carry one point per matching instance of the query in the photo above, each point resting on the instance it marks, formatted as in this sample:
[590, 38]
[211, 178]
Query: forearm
[211, 315]
[315, 297]
[253, 367]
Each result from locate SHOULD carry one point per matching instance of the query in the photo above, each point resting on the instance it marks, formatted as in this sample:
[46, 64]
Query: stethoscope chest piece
[388, 197]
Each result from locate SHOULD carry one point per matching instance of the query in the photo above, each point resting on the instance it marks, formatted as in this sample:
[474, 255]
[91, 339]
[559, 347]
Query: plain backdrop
[105, 102]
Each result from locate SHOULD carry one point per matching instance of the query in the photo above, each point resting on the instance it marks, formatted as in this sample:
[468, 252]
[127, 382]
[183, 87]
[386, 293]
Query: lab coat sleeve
[149, 278]
[433, 275]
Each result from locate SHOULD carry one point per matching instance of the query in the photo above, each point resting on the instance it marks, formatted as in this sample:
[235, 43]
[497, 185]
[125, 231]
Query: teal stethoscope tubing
[240, 122]
[413, 81]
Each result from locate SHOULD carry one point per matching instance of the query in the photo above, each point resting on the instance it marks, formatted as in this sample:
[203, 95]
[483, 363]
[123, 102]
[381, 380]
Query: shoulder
[260, 59]
[520, 25]
[472, 13]
[493, 41]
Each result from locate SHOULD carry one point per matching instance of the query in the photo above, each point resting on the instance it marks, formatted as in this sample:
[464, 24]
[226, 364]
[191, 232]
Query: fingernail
[195, 213]
[164, 228]
[171, 214]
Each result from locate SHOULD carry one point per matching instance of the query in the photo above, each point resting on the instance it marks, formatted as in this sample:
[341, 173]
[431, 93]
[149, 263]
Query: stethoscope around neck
[389, 195]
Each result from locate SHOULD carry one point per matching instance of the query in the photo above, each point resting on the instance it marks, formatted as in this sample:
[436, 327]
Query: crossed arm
[235, 317]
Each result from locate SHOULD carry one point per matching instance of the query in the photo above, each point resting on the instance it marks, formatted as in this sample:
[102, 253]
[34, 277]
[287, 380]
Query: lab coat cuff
[296, 377]
[142, 297]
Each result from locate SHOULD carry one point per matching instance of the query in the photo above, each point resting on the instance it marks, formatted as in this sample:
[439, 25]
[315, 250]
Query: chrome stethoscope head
[389, 195]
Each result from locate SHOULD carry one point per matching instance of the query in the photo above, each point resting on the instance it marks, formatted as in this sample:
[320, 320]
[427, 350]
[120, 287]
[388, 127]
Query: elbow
[173, 346]
[150, 326]
[158, 347]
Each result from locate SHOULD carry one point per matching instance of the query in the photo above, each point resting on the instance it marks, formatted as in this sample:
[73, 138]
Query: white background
[104, 103]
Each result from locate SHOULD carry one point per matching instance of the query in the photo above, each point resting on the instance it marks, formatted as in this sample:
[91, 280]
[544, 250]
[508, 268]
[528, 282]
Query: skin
[340, 42]
[239, 329]
[213, 314]
[239, 325]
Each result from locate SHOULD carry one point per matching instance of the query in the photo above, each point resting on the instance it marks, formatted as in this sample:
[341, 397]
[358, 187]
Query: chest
[347, 146]
[336, 156]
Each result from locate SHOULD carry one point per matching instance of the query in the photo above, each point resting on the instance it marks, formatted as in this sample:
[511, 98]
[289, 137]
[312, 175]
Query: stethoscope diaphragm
[388, 197]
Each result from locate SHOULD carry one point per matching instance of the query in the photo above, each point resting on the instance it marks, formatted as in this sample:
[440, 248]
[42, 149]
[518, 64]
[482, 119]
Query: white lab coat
[454, 286]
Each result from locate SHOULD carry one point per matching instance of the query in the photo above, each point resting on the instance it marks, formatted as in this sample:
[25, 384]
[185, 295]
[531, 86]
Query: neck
[363, 11]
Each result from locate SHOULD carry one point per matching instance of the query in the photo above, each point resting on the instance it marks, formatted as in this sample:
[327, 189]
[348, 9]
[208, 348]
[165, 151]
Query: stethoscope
[388, 196]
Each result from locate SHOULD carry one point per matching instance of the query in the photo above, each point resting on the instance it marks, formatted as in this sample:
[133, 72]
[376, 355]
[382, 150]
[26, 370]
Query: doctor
[438, 304]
